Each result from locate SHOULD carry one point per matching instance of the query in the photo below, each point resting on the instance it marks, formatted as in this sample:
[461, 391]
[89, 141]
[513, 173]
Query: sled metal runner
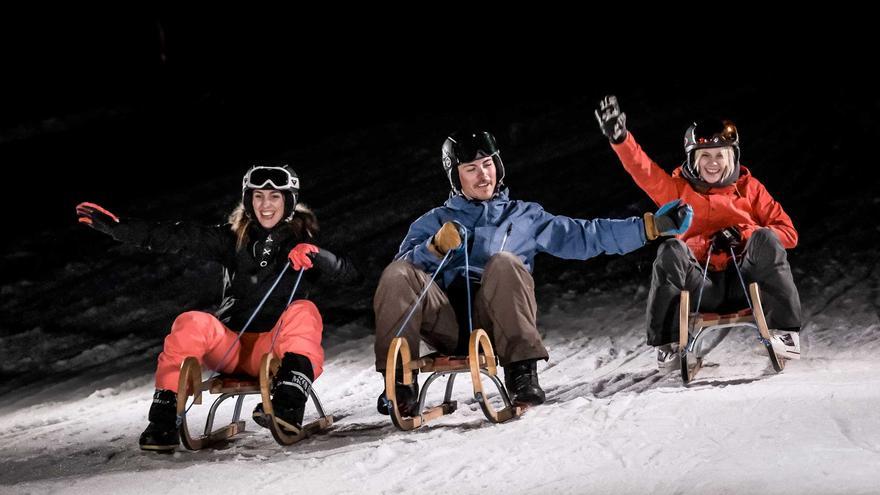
[693, 326]
[481, 360]
[191, 385]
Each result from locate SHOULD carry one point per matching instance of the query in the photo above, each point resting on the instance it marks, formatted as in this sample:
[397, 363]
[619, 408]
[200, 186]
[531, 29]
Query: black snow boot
[162, 433]
[407, 398]
[290, 392]
[521, 380]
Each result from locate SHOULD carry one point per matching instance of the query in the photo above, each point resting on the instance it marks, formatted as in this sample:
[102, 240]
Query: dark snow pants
[763, 261]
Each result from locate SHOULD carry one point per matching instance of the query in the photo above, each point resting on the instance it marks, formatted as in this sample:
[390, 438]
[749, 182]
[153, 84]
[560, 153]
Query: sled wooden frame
[481, 360]
[190, 384]
[284, 433]
[691, 326]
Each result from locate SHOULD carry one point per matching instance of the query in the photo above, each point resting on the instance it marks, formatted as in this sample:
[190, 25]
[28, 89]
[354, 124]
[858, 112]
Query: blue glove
[673, 218]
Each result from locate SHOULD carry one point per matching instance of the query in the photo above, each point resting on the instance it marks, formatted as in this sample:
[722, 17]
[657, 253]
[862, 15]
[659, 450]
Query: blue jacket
[519, 227]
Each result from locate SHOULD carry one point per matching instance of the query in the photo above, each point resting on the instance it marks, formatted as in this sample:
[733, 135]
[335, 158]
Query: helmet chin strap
[293, 208]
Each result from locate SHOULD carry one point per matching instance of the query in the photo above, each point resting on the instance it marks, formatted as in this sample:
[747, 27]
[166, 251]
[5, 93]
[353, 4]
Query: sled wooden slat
[224, 385]
[226, 432]
[445, 363]
[319, 425]
[710, 319]
[434, 413]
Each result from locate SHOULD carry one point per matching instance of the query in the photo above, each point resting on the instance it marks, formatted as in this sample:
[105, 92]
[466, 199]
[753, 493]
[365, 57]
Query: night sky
[126, 107]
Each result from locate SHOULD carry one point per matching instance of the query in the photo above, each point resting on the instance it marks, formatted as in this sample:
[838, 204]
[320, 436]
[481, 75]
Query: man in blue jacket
[503, 236]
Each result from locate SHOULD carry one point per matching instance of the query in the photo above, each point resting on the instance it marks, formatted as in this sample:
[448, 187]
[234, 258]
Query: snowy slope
[612, 424]
[82, 320]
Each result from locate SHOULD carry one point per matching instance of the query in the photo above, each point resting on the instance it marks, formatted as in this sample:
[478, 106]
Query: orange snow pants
[204, 337]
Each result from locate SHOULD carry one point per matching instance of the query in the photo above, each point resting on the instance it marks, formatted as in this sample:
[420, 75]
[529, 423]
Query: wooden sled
[481, 360]
[190, 384]
[693, 326]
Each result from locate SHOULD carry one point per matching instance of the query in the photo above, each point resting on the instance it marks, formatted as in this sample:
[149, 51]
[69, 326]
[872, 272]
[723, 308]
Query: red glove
[96, 217]
[299, 256]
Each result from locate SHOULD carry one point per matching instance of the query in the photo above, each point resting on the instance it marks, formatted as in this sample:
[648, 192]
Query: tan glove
[446, 239]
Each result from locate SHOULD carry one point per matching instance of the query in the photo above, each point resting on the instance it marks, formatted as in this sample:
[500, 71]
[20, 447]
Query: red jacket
[745, 203]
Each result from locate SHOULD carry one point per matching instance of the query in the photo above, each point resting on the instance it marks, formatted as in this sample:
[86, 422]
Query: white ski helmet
[276, 175]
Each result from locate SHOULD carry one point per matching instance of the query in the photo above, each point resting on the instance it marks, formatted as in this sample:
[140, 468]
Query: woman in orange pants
[266, 231]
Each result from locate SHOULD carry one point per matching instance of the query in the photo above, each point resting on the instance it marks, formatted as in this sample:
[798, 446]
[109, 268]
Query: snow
[612, 423]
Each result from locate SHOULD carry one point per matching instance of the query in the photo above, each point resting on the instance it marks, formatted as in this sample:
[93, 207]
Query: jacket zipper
[506, 234]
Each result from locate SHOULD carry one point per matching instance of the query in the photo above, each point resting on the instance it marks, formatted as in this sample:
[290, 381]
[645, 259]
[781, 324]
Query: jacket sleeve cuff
[628, 143]
[651, 232]
[433, 249]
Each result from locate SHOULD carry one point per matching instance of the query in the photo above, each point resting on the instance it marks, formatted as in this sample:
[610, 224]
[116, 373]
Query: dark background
[156, 116]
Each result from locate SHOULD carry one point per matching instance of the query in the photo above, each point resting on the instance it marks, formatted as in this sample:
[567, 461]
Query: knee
[765, 237]
[503, 261]
[400, 277]
[672, 250]
[192, 321]
[397, 271]
[303, 309]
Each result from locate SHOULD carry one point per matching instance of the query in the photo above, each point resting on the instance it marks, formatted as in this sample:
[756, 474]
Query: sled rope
[289, 300]
[467, 277]
[705, 272]
[215, 370]
[746, 292]
[742, 282]
[250, 320]
[422, 295]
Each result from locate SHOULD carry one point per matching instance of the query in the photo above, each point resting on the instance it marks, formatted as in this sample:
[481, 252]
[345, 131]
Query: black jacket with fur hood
[252, 269]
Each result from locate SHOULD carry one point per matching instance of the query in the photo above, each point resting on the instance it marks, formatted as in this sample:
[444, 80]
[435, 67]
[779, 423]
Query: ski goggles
[270, 178]
[468, 147]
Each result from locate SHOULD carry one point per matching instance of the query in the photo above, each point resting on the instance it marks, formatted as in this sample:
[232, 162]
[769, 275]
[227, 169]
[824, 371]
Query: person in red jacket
[735, 220]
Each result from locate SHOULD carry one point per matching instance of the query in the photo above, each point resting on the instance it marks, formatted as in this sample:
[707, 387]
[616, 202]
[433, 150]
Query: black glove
[726, 239]
[96, 217]
[611, 120]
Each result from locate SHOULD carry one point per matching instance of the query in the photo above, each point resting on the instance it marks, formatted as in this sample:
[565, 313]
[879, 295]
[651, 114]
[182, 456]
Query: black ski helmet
[465, 146]
[709, 134]
[273, 174]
